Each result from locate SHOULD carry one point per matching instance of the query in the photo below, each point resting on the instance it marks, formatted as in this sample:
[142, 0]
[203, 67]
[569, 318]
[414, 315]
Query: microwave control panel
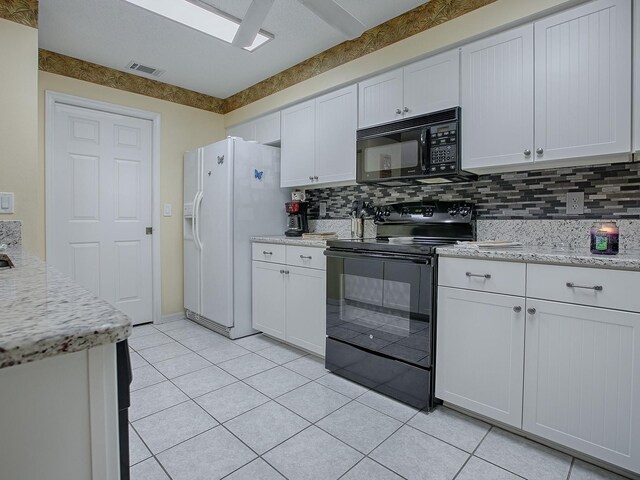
[443, 148]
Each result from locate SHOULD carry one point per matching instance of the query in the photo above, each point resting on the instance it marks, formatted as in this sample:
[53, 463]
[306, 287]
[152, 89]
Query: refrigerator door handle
[196, 217]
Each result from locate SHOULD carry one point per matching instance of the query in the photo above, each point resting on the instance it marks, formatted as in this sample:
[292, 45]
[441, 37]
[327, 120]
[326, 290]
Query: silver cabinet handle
[539, 150]
[282, 272]
[308, 257]
[517, 309]
[315, 177]
[310, 178]
[527, 152]
[597, 288]
[405, 109]
[286, 272]
[531, 311]
[264, 252]
[482, 275]
[398, 111]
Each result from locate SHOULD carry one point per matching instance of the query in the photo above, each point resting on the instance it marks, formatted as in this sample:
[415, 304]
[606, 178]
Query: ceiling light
[202, 17]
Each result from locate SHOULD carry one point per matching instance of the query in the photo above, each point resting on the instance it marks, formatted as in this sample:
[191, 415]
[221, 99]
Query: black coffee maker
[297, 222]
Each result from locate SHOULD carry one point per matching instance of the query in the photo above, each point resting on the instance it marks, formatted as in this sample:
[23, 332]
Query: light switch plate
[323, 209]
[575, 203]
[6, 202]
[168, 210]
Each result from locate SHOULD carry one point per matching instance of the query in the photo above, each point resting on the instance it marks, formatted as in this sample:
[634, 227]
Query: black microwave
[424, 149]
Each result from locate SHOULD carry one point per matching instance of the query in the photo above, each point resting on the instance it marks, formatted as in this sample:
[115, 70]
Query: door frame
[51, 99]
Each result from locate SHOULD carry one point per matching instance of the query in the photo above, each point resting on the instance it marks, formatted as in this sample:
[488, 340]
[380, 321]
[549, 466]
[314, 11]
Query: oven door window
[390, 156]
[381, 305]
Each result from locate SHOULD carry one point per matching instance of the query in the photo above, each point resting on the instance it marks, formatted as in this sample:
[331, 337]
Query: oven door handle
[392, 257]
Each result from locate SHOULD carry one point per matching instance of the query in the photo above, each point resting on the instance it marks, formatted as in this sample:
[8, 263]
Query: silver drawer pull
[286, 272]
[531, 311]
[282, 272]
[597, 288]
[485, 275]
[308, 257]
[517, 309]
[264, 252]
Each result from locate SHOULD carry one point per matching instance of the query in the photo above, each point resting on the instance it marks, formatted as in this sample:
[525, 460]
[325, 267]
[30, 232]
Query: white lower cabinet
[305, 308]
[567, 371]
[582, 379]
[268, 298]
[480, 352]
[288, 300]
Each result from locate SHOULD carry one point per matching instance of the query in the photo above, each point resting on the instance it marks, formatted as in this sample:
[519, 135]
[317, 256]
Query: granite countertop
[44, 313]
[284, 240]
[625, 260]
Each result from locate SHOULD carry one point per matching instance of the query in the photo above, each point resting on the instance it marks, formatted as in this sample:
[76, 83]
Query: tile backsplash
[611, 191]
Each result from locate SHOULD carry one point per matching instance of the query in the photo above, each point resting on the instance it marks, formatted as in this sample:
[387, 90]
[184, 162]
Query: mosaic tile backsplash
[611, 191]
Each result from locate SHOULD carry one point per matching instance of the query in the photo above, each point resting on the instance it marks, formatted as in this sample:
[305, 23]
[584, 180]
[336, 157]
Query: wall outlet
[323, 209]
[575, 203]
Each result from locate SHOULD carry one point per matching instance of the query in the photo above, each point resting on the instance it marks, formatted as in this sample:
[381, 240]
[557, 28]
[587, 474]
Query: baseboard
[172, 317]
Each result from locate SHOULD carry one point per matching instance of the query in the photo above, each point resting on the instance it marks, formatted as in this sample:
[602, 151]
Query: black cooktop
[393, 245]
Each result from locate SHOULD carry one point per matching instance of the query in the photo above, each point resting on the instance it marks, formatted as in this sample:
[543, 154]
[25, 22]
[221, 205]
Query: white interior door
[100, 206]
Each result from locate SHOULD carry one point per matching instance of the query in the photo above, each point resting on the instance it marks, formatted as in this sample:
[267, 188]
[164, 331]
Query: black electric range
[381, 298]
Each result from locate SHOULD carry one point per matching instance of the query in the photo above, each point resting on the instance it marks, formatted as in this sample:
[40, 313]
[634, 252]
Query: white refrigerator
[231, 192]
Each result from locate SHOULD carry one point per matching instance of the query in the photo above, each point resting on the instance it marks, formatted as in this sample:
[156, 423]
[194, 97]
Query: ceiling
[113, 33]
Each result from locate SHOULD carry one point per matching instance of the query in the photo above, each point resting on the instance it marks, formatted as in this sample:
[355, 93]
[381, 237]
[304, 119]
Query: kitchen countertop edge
[626, 260]
[49, 314]
[283, 240]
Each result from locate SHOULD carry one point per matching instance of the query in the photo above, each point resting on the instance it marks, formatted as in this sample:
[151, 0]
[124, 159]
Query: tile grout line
[472, 453]
[573, 461]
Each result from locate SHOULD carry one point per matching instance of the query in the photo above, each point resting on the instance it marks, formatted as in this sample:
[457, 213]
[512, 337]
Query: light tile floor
[206, 407]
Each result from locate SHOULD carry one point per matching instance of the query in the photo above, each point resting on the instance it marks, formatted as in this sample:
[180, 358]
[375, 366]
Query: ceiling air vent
[138, 67]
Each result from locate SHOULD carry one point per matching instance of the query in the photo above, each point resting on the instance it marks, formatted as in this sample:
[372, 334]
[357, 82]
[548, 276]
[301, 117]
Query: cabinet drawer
[482, 275]
[311, 257]
[269, 252]
[595, 287]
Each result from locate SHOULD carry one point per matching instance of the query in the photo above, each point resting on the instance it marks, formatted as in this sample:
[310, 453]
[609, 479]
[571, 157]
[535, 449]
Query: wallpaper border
[417, 20]
[24, 12]
[59, 64]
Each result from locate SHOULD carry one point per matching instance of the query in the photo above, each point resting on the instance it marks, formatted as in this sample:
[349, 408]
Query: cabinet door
[432, 84]
[268, 298]
[306, 307]
[336, 125]
[582, 377]
[380, 99]
[297, 154]
[246, 131]
[583, 81]
[497, 100]
[480, 352]
[268, 129]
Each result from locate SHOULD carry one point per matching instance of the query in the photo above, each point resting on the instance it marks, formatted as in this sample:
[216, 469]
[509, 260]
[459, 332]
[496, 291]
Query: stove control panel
[423, 212]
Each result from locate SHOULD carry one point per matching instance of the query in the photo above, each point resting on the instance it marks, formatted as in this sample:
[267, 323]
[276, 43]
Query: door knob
[539, 150]
[531, 311]
[517, 309]
[527, 152]
[398, 111]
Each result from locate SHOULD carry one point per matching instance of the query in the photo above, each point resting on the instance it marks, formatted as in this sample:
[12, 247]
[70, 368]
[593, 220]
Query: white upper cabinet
[265, 130]
[297, 155]
[497, 100]
[426, 86]
[381, 99]
[319, 140]
[336, 125]
[432, 84]
[583, 81]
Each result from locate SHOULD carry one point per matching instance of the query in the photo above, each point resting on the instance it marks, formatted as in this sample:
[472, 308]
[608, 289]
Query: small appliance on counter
[297, 222]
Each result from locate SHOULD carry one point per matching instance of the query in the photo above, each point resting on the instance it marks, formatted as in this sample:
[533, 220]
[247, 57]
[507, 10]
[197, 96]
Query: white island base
[59, 417]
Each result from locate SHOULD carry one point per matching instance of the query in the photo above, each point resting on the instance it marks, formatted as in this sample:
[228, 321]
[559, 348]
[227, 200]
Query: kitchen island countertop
[44, 313]
[625, 260]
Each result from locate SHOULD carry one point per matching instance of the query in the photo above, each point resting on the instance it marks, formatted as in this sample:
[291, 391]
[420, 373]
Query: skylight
[200, 16]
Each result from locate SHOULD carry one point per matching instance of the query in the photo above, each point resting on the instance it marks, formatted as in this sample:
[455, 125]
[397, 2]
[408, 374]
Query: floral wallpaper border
[90, 72]
[24, 12]
[424, 17]
[414, 21]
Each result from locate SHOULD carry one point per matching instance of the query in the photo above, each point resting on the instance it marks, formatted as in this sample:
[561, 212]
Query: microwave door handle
[425, 137]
